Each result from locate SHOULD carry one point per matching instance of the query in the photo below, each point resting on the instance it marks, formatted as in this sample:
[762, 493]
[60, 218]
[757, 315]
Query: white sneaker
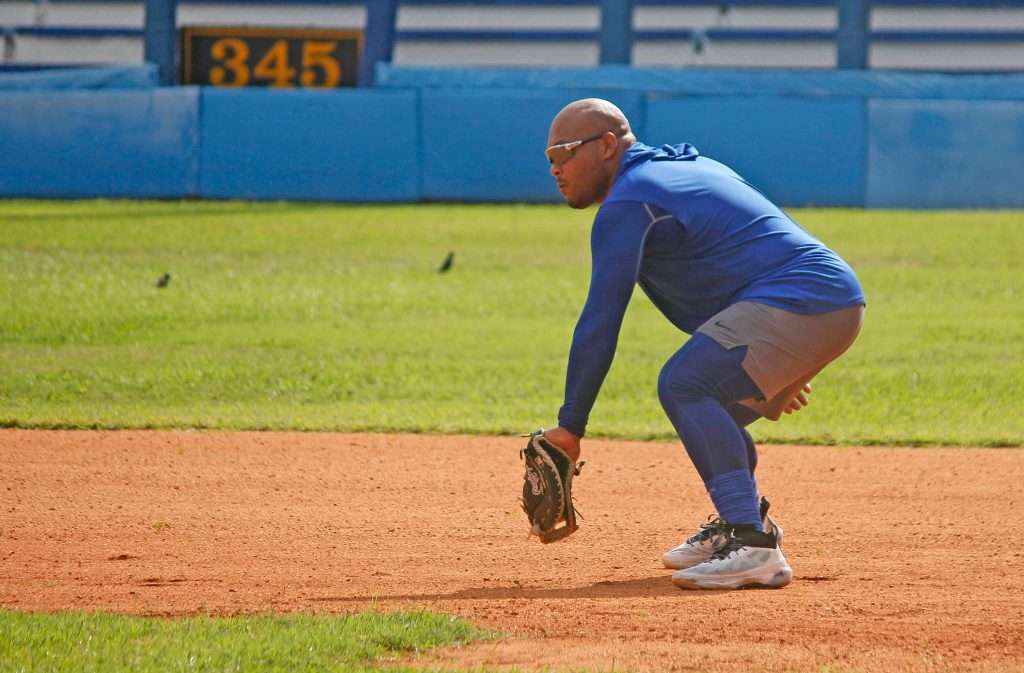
[699, 547]
[711, 537]
[748, 559]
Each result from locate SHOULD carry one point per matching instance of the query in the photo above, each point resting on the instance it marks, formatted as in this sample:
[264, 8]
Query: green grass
[82, 643]
[322, 317]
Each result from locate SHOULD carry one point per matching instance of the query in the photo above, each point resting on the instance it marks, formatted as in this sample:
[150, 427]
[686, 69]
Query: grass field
[87, 643]
[334, 318]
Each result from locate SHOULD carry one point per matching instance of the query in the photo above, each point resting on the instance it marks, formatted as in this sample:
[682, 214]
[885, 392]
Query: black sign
[270, 57]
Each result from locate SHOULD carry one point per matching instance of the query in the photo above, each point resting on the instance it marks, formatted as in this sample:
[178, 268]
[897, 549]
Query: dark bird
[447, 263]
[164, 280]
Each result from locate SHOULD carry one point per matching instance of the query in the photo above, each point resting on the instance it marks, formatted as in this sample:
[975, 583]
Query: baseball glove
[547, 488]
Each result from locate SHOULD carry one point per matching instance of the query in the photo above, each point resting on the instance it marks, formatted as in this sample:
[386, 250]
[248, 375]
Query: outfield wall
[830, 139]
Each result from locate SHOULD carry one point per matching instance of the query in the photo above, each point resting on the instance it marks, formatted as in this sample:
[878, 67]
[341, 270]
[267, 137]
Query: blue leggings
[699, 388]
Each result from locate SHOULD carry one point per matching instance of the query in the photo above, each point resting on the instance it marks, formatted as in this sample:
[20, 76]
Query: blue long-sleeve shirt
[697, 238]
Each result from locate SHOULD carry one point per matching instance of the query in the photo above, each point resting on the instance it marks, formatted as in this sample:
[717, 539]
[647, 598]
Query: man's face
[582, 178]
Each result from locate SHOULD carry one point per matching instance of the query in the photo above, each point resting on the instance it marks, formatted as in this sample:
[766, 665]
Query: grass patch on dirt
[324, 317]
[104, 643]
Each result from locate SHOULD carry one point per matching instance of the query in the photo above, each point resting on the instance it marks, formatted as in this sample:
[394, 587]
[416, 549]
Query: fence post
[160, 38]
[853, 40]
[378, 38]
[616, 31]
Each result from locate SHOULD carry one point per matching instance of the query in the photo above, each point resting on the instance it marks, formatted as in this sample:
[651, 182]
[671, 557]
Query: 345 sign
[270, 57]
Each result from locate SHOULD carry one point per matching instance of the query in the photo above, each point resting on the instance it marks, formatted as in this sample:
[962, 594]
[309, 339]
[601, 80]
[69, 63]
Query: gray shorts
[785, 350]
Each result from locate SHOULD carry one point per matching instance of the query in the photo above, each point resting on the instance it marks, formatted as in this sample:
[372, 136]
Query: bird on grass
[164, 280]
[447, 263]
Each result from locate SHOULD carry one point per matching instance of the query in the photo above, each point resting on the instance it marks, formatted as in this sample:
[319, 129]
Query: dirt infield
[904, 559]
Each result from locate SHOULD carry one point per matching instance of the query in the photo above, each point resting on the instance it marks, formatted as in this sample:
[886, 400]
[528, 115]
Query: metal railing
[615, 36]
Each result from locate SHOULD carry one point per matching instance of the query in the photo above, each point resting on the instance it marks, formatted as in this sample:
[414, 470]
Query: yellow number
[274, 66]
[236, 62]
[318, 55]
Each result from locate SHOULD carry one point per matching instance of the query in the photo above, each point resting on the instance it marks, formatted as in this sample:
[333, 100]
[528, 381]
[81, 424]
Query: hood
[639, 153]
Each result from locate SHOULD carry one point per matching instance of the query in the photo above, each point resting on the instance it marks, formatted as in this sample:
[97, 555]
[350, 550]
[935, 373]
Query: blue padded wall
[488, 144]
[798, 151]
[946, 154]
[133, 143]
[877, 140]
[310, 145]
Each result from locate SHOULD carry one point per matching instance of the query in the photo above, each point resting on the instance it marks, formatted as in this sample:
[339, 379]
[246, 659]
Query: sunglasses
[559, 154]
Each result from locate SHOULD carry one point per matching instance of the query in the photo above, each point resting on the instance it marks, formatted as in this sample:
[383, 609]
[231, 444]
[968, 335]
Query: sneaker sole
[774, 578]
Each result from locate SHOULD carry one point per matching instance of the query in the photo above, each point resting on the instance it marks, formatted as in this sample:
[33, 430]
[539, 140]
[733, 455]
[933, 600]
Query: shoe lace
[731, 546]
[712, 527]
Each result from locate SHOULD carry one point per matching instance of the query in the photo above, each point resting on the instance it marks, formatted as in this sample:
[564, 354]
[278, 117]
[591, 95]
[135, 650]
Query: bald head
[594, 135]
[588, 117]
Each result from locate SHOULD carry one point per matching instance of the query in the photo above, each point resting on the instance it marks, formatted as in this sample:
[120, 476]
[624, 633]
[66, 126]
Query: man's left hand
[800, 401]
[564, 440]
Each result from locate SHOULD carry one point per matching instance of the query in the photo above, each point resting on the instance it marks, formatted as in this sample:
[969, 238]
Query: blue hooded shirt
[697, 238]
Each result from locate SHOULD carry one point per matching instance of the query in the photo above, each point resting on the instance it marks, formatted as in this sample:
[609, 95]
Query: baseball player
[767, 304]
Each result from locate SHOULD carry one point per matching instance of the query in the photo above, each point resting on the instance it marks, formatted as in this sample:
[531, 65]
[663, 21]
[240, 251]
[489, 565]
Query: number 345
[274, 68]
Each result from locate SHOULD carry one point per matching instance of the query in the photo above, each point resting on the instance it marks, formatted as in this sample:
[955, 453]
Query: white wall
[123, 14]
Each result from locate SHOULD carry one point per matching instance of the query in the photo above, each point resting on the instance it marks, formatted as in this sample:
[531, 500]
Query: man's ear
[609, 144]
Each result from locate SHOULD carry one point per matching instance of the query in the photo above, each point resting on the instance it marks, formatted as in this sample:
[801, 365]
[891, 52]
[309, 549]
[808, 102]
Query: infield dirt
[904, 559]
